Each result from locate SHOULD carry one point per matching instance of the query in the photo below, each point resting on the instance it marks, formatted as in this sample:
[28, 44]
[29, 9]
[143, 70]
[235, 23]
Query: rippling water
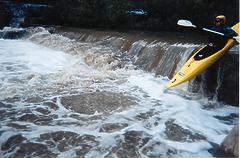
[76, 99]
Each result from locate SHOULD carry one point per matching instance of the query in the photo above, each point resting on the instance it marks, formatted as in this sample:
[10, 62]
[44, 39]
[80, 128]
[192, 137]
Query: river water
[66, 98]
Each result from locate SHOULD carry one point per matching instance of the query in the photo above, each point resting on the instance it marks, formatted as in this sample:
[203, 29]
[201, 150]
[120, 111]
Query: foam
[40, 71]
[187, 113]
[37, 58]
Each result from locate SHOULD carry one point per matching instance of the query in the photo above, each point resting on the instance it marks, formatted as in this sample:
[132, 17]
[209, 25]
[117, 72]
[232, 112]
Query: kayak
[201, 60]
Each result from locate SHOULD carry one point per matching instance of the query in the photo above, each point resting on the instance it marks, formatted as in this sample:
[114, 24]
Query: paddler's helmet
[220, 19]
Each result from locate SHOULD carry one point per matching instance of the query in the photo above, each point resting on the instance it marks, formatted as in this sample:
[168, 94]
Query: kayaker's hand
[237, 38]
[199, 28]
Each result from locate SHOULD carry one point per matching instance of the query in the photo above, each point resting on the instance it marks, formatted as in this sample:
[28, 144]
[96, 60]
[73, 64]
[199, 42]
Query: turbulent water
[67, 98]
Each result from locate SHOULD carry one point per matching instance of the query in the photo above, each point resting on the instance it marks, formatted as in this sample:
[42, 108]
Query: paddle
[187, 23]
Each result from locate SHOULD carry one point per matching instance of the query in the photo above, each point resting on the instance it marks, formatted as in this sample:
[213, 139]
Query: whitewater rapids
[65, 98]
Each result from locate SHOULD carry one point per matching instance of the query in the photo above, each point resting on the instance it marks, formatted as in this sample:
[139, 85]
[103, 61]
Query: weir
[165, 54]
[68, 92]
[86, 93]
[159, 54]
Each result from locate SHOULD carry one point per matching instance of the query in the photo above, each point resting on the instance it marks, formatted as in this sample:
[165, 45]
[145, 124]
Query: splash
[68, 98]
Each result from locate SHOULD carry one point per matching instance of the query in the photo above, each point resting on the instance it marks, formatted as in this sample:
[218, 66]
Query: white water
[28, 69]
[36, 58]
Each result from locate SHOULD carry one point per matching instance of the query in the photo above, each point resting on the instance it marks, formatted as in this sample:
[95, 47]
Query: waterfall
[102, 94]
[115, 50]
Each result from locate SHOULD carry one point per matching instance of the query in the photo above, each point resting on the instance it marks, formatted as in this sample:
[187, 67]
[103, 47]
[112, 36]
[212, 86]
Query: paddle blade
[185, 23]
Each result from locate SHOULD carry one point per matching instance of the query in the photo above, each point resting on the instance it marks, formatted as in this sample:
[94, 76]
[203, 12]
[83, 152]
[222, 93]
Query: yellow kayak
[200, 61]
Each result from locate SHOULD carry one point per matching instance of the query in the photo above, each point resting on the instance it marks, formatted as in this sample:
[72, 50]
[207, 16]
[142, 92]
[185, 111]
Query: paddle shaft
[219, 33]
[189, 24]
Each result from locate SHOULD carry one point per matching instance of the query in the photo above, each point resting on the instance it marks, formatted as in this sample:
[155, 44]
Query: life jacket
[219, 40]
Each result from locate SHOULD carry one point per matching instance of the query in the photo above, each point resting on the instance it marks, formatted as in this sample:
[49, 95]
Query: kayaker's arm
[230, 33]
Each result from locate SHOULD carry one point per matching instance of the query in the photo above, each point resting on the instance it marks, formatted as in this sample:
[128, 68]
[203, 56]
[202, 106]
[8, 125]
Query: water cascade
[101, 95]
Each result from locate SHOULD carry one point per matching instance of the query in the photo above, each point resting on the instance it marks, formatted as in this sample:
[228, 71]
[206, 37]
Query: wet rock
[145, 116]
[59, 136]
[13, 141]
[8, 115]
[138, 138]
[33, 150]
[112, 127]
[231, 143]
[59, 139]
[230, 119]
[3, 115]
[34, 99]
[13, 99]
[221, 80]
[51, 105]
[177, 133]
[87, 142]
[65, 140]
[86, 119]
[39, 120]
[103, 102]
[2, 105]
[13, 114]
[1, 132]
[5, 105]
[25, 149]
[155, 149]
[83, 151]
[228, 91]
[17, 126]
[218, 152]
[43, 111]
[133, 141]
[28, 118]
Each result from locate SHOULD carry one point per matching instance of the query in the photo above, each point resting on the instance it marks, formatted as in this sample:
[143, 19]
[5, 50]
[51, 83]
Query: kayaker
[220, 26]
